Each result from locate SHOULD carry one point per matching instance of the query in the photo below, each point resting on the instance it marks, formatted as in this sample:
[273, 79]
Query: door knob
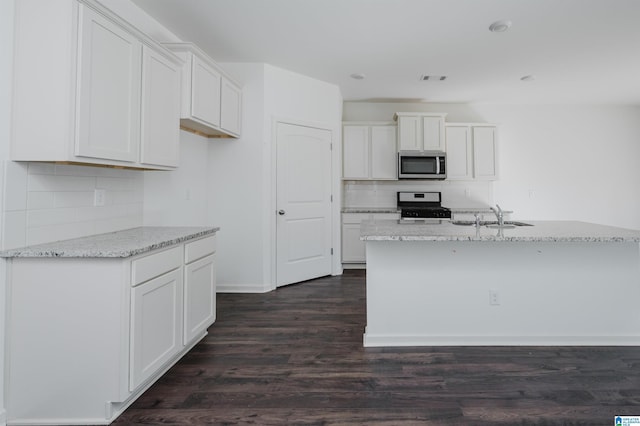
[281, 212]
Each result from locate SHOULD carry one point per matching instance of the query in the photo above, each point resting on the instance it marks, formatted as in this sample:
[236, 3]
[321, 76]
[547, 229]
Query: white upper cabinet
[109, 67]
[160, 110]
[383, 152]
[355, 152]
[471, 151]
[82, 93]
[485, 152]
[433, 133]
[231, 107]
[205, 93]
[409, 133]
[211, 102]
[369, 151]
[420, 131]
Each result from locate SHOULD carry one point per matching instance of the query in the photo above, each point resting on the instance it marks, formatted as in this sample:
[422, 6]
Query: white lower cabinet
[199, 297]
[87, 336]
[156, 325]
[353, 249]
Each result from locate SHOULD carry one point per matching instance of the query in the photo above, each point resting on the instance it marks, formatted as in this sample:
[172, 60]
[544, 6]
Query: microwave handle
[437, 165]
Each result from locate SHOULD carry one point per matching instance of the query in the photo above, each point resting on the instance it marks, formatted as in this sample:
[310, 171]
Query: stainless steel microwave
[422, 165]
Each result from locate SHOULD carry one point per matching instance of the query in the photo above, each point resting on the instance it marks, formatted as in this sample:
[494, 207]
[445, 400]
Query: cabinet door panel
[199, 297]
[108, 110]
[230, 107]
[459, 154]
[410, 133]
[355, 150]
[432, 130]
[353, 249]
[384, 152]
[485, 153]
[160, 110]
[156, 325]
[205, 93]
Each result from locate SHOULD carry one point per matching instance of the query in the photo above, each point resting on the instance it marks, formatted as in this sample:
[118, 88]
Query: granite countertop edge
[370, 210]
[454, 210]
[542, 231]
[118, 244]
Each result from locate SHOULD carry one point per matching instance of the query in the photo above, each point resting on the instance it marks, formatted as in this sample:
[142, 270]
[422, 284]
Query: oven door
[421, 165]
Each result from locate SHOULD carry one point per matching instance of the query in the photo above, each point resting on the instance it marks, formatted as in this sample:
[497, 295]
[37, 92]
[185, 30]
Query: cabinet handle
[281, 212]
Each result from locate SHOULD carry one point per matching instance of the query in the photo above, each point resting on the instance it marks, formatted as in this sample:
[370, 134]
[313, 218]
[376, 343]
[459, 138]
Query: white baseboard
[242, 288]
[396, 340]
[354, 266]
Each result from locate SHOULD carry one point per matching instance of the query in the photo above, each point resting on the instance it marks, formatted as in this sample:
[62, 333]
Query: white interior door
[303, 208]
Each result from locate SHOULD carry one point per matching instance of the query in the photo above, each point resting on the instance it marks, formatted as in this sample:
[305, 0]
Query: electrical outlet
[494, 297]
[98, 197]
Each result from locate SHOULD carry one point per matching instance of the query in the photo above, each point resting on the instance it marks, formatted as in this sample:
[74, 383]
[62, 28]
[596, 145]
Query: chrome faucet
[477, 216]
[498, 214]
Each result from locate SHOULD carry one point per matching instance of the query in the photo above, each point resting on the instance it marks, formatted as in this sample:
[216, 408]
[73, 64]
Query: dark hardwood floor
[295, 356]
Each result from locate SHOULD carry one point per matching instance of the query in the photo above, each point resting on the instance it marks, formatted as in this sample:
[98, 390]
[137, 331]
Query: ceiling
[580, 51]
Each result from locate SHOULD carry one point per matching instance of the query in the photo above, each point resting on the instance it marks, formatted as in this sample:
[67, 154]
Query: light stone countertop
[126, 243]
[542, 231]
[472, 210]
[370, 210]
[454, 210]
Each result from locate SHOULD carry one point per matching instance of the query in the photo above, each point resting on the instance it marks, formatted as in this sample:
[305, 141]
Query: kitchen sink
[491, 223]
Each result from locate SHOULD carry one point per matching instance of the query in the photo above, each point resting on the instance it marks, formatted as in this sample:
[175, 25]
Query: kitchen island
[553, 283]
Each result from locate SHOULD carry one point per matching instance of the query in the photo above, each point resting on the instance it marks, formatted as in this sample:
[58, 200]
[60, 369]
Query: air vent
[433, 77]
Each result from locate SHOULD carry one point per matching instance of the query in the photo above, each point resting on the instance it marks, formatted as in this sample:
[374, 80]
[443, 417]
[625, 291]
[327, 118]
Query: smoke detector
[500, 26]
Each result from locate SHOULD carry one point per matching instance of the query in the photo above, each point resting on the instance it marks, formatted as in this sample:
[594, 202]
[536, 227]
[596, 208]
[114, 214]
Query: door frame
[336, 190]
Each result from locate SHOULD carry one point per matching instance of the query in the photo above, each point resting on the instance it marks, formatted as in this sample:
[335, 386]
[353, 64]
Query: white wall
[238, 175]
[556, 162]
[242, 173]
[179, 197]
[569, 162]
[6, 55]
[294, 97]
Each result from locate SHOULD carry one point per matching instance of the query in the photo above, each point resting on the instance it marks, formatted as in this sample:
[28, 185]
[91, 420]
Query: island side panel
[549, 293]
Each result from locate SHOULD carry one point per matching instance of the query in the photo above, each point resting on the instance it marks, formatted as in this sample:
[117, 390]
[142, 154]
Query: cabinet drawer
[156, 264]
[199, 249]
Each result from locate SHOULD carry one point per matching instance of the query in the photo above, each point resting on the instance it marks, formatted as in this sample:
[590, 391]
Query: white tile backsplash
[383, 193]
[72, 199]
[42, 182]
[46, 202]
[40, 200]
[14, 226]
[15, 194]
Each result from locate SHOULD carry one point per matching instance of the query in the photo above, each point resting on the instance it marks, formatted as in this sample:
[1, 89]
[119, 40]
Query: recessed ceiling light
[358, 76]
[500, 26]
[528, 78]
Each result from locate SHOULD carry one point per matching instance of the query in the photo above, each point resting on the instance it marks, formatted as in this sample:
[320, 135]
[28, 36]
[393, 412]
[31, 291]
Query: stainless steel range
[422, 206]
